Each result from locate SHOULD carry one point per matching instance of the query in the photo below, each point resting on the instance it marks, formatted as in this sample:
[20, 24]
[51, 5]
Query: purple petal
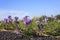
[5, 20]
[16, 18]
[18, 32]
[10, 19]
[28, 21]
[25, 18]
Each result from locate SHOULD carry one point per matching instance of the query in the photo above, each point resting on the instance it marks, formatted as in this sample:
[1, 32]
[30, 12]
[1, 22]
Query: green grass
[50, 28]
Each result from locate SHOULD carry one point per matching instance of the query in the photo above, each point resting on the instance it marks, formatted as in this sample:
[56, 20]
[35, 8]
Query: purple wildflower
[16, 23]
[16, 20]
[26, 20]
[5, 20]
[55, 17]
[18, 32]
[10, 18]
[40, 26]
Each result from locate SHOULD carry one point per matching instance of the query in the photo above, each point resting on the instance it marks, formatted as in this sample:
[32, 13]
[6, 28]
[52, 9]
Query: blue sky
[31, 8]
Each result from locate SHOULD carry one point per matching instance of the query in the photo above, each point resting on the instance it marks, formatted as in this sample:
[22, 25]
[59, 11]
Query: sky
[31, 8]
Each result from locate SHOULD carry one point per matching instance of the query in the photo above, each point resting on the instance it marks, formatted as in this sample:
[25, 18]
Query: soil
[5, 35]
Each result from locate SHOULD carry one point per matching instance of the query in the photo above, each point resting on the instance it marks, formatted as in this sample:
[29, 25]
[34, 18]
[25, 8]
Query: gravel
[4, 35]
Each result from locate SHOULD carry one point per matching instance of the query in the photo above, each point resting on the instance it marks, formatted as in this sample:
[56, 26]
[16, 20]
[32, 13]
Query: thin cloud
[5, 13]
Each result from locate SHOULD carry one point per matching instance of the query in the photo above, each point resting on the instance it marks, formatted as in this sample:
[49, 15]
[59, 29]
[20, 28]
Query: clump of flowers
[16, 22]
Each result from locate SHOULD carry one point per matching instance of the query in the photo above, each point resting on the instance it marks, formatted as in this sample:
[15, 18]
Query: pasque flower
[5, 20]
[40, 26]
[16, 20]
[26, 20]
[10, 19]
